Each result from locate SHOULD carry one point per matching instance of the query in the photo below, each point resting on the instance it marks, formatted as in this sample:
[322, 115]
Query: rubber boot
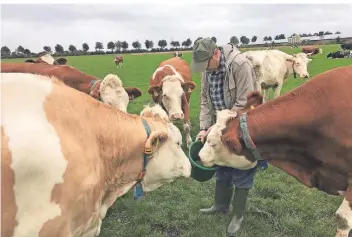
[223, 195]
[239, 204]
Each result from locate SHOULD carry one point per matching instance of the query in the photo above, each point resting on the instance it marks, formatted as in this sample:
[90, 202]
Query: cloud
[36, 25]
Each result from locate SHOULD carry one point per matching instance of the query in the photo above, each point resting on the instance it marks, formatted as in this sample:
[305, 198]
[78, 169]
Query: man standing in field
[227, 78]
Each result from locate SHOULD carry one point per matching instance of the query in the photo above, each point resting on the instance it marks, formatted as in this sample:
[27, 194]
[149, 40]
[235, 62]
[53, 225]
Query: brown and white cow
[118, 60]
[110, 90]
[307, 133]
[177, 54]
[45, 57]
[62, 167]
[171, 86]
[311, 50]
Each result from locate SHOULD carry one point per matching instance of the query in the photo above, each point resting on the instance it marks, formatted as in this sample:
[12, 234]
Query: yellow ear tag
[252, 107]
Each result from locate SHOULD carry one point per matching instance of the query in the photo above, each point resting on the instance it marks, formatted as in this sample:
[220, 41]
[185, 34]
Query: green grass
[278, 206]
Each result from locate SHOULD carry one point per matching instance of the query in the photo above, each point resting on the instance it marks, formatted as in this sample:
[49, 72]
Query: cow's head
[170, 92]
[168, 160]
[45, 57]
[299, 63]
[219, 146]
[112, 92]
[329, 55]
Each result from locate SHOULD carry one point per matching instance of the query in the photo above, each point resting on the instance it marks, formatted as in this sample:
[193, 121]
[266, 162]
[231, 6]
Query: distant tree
[98, 46]
[27, 52]
[85, 47]
[338, 39]
[124, 45]
[162, 43]
[118, 45]
[5, 50]
[327, 33]
[111, 46]
[72, 48]
[136, 45]
[59, 49]
[265, 38]
[149, 44]
[47, 49]
[188, 42]
[234, 40]
[214, 39]
[269, 38]
[177, 44]
[321, 33]
[254, 38]
[244, 40]
[337, 32]
[20, 49]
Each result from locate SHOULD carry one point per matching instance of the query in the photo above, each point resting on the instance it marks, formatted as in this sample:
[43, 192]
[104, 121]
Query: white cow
[273, 67]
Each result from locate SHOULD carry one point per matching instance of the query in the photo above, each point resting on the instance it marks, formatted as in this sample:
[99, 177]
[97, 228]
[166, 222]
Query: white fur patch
[224, 115]
[48, 59]
[37, 159]
[112, 92]
[155, 110]
[178, 75]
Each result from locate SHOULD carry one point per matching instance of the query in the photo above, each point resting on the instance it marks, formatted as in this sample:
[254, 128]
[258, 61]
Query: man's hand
[202, 134]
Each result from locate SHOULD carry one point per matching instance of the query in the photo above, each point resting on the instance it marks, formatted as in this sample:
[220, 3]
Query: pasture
[278, 206]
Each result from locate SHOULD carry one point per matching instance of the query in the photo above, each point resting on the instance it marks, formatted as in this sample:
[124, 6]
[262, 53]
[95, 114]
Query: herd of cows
[70, 149]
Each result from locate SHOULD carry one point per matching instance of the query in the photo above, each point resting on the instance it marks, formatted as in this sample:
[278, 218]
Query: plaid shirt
[215, 82]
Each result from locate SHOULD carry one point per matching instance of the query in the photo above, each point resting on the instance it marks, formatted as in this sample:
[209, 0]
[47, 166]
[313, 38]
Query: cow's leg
[265, 95]
[277, 91]
[344, 219]
[187, 129]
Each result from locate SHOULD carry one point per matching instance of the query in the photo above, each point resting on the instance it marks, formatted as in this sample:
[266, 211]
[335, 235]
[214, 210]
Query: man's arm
[205, 118]
[244, 84]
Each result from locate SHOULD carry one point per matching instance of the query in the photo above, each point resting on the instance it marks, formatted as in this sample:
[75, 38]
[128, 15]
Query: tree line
[123, 46]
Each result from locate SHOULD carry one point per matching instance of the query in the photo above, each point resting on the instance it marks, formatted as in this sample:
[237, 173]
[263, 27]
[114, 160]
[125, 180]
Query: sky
[36, 25]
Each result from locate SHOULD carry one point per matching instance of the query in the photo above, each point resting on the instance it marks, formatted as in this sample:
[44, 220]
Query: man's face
[214, 61]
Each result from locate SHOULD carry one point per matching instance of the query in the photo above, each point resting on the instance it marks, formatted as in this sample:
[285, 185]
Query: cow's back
[180, 65]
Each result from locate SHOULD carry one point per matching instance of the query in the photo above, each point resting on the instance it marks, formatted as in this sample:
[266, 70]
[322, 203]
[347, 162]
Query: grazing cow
[109, 90]
[171, 86]
[62, 166]
[311, 50]
[346, 46]
[118, 60]
[45, 57]
[339, 54]
[306, 133]
[273, 67]
[177, 54]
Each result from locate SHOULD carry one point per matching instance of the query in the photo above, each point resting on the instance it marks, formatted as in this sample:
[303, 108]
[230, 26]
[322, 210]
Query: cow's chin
[148, 187]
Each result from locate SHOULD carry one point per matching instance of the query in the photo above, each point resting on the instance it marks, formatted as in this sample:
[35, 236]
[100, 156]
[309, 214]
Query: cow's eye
[178, 143]
[297, 64]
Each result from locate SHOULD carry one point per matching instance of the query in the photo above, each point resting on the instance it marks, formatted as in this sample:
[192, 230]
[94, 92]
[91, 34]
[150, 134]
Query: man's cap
[203, 50]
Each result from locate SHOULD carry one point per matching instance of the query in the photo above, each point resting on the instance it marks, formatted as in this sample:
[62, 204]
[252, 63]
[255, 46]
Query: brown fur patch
[8, 202]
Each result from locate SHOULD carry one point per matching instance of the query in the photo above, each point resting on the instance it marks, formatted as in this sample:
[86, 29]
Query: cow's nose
[306, 76]
[177, 116]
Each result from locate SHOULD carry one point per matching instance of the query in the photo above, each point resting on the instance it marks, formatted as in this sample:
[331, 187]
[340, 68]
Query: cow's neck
[121, 140]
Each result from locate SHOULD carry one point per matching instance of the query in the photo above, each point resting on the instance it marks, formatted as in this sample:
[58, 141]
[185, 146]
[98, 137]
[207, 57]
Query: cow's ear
[61, 61]
[133, 92]
[30, 61]
[154, 90]
[254, 99]
[155, 139]
[188, 86]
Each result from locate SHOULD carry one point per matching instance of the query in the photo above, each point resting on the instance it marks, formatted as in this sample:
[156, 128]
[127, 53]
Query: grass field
[278, 206]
